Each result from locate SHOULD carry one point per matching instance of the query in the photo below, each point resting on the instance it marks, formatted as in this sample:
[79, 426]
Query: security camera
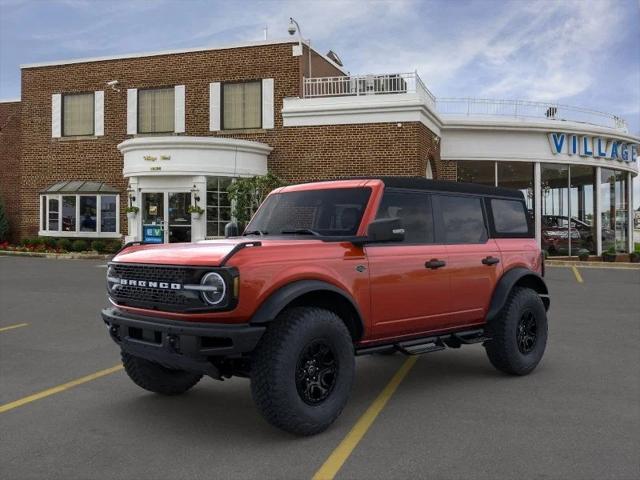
[112, 83]
[292, 27]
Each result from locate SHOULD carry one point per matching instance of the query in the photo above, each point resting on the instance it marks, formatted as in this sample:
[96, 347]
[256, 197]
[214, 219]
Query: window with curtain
[156, 110]
[242, 105]
[77, 114]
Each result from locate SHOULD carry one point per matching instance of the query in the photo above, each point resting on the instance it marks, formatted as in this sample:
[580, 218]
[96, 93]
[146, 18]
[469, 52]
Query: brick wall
[299, 153]
[10, 162]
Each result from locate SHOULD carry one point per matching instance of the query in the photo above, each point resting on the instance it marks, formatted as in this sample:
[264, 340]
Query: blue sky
[578, 52]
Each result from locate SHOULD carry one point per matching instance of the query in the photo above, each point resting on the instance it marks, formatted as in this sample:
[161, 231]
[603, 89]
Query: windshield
[330, 212]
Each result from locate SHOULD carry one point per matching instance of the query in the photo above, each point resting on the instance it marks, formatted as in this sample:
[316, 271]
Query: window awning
[80, 186]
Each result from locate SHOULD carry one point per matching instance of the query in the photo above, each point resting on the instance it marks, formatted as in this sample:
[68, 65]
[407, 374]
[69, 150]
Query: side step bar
[435, 343]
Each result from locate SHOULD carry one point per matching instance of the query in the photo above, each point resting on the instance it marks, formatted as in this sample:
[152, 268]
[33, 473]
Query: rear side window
[462, 219]
[509, 216]
[413, 210]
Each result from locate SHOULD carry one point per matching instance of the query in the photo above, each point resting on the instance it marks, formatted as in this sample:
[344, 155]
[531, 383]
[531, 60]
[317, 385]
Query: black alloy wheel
[527, 332]
[316, 372]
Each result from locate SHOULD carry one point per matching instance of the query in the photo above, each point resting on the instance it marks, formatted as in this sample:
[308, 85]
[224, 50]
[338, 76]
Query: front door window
[165, 217]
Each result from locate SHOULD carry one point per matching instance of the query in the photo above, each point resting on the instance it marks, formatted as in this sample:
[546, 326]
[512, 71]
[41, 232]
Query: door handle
[490, 260]
[434, 263]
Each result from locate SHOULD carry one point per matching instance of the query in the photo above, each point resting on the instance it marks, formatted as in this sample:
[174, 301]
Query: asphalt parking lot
[453, 416]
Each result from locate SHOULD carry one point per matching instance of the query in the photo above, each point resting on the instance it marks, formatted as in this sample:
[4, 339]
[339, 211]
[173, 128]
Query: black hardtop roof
[421, 183]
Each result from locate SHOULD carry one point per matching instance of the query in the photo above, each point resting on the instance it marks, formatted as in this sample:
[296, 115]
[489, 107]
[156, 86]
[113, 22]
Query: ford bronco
[327, 271]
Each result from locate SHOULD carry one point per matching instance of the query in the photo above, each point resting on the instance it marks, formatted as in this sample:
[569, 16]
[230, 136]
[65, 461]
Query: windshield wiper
[254, 232]
[302, 231]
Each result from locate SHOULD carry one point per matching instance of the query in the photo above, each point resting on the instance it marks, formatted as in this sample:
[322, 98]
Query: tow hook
[173, 342]
[114, 331]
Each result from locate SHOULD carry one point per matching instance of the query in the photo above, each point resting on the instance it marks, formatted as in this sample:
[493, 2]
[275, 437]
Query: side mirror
[231, 230]
[385, 230]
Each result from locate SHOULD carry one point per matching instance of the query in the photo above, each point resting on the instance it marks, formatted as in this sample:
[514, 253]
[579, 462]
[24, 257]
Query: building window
[156, 110]
[218, 205]
[509, 216]
[519, 176]
[480, 171]
[78, 114]
[242, 105]
[582, 207]
[555, 209]
[78, 215]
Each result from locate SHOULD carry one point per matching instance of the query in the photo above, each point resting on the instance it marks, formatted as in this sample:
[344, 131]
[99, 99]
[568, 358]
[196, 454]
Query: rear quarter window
[509, 217]
[462, 219]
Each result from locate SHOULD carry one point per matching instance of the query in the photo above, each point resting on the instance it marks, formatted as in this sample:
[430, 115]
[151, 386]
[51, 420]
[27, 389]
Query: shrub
[4, 224]
[583, 254]
[79, 246]
[28, 242]
[99, 246]
[246, 194]
[48, 242]
[64, 244]
[113, 246]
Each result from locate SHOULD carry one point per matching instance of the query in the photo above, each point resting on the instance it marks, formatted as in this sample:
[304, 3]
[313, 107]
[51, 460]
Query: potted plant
[610, 255]
[583, 254]
[634, 256]
[132, 212]
[195, 211]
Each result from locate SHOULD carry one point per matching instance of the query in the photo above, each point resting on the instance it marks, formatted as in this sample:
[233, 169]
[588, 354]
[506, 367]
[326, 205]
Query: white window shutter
[214, 106]
[98, 112]
[56, 115]
[179, 99]
[268, 110]
[132, 111]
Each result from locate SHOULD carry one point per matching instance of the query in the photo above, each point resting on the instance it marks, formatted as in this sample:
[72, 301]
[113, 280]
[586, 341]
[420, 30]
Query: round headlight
[214, 288]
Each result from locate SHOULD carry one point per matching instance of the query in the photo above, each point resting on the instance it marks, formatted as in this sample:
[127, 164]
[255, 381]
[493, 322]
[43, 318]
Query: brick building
[162, 131]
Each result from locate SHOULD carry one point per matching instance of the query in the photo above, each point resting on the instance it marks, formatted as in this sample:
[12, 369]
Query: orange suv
[327, 271]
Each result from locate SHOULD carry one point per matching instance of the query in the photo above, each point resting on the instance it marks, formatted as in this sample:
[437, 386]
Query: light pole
[293, 27]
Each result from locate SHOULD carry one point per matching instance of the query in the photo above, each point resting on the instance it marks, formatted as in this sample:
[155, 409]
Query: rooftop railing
[527, 110]
[399, 83]
[358, 85]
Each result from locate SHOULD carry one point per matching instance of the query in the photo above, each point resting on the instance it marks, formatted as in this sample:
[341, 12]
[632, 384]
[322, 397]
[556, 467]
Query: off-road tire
[275, 364]
[156, 378]
[502, 349]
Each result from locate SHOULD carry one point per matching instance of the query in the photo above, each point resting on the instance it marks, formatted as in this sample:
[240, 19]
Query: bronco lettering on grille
[148, 284]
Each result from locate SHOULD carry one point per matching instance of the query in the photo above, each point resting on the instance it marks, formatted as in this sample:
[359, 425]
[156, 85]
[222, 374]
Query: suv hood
[207, 253]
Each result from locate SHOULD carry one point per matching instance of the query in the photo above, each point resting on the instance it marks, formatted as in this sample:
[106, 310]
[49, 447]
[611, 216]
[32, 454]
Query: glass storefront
[615, 210]
[567, 202]
[218, 205]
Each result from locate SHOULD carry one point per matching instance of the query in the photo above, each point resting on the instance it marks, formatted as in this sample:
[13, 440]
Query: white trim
[98, 112]
[598, 208]
[179, 109]
[132, 111]
[630, 213]
[78, 233]
[10, 100]
[214, 106]
[156, 53]
[268, 109]
[47, 233]
[56, 115]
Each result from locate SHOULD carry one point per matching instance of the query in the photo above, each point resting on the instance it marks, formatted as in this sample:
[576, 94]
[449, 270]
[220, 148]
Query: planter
[195, 215]
[634, 257]
[615, 257]
[131, 216]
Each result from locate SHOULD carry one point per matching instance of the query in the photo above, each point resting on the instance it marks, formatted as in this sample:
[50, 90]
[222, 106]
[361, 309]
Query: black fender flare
[287, 294]
[516, 276]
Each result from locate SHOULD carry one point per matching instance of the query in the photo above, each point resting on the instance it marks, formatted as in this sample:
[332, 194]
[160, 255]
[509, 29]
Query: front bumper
[180, 345]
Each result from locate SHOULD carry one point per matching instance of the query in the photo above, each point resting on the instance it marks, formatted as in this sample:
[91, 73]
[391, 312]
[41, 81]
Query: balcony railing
[527, 110]
[357, 85]
[399, 83]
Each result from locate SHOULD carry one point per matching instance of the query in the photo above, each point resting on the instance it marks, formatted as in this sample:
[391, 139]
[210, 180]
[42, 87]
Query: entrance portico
[167, 174]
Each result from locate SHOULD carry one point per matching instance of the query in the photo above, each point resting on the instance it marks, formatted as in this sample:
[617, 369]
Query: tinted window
[327, 212]
[509, 216]
[462, 219]
[413, 210]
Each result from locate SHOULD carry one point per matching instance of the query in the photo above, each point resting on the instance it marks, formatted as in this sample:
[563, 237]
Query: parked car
[325, 272]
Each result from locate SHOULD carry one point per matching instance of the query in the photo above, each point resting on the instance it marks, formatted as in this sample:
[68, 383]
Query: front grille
[146, 296]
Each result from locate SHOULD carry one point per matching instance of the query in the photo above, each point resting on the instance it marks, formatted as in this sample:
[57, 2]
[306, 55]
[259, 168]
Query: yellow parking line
[577, 274]
[11, 327]
[60, 388]
[334, 463]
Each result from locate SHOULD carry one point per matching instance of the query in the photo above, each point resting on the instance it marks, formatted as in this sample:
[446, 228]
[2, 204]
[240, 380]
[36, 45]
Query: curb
[58, 256]
[609, 265]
